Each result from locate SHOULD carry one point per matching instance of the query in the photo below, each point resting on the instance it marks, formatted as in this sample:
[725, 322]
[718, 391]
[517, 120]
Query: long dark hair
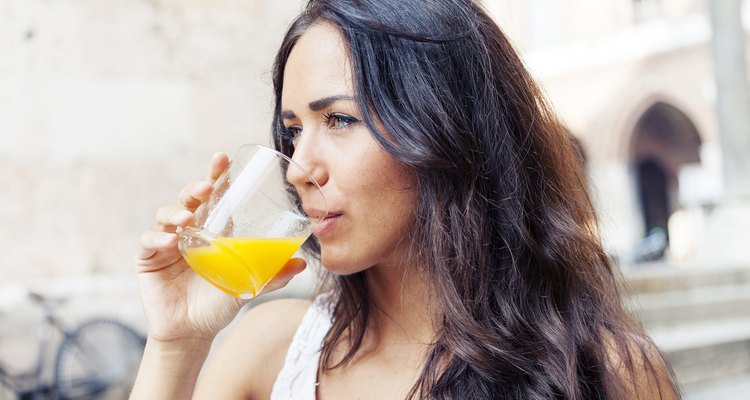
[529, 300]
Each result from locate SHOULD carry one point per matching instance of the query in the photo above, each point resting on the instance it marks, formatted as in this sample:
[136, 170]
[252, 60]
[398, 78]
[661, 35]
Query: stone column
[733, 96]
[727, 227]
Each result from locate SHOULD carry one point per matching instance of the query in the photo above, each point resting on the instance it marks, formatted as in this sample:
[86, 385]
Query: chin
[339, 264]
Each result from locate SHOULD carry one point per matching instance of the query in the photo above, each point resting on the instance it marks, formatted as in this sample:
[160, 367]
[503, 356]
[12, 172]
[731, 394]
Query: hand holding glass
[251, 224]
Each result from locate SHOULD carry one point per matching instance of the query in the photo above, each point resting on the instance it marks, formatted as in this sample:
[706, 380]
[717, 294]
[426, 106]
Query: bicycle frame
[94, 357]
[29, 384]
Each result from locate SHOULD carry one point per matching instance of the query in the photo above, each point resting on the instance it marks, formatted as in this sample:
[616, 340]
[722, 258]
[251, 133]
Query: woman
[461, 249]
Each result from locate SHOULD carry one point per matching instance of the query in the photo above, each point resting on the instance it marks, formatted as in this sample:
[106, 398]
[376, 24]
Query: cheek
[393, 192]
[382, 216]
[390, 209]
[388, 198]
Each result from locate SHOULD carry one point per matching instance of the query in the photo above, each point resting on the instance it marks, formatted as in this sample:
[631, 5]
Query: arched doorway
[664, 139]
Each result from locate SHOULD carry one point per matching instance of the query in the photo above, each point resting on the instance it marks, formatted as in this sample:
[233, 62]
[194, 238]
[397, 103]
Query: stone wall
[107, 108]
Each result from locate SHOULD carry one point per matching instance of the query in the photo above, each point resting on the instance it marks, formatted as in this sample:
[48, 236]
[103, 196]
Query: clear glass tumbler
[251, 224]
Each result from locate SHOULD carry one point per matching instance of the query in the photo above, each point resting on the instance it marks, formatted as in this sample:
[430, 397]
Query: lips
[326, 220]
[316, 213]
[327, 224]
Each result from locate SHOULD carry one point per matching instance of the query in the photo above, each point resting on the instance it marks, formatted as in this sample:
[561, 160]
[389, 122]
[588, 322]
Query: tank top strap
[298, 378]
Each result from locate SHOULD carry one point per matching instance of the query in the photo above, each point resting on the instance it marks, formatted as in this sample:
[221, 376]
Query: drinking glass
[251, 224]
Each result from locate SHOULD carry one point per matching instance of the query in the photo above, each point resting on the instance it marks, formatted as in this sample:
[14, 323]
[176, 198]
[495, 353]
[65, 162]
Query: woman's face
[371, 198]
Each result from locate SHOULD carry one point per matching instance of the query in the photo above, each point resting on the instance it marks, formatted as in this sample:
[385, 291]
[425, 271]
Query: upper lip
[318, 213]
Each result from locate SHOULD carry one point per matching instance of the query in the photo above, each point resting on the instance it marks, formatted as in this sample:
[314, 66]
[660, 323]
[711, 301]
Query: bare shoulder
[245, 364]
[640, 367]
[270, 326]
[280, 316]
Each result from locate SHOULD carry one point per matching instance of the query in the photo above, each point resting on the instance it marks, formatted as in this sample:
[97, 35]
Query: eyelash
[330, 116]
[291, 133]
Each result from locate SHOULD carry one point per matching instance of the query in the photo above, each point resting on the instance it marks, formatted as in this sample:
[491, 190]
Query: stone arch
[662, 140]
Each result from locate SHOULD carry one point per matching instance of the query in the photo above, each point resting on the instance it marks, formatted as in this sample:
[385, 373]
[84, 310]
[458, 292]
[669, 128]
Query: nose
[309, 157]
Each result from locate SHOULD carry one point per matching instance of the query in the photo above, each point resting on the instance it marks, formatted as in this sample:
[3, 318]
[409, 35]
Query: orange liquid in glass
[242, 266]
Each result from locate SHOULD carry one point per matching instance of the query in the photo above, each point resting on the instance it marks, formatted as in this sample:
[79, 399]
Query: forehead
[318, 67]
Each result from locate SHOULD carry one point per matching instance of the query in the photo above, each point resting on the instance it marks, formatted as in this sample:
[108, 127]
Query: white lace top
[299, 375]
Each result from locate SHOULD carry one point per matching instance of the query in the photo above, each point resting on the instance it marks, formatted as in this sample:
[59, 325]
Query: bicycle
[96, 359]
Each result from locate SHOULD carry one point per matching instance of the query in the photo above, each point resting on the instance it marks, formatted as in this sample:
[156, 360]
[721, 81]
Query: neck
[402, 310]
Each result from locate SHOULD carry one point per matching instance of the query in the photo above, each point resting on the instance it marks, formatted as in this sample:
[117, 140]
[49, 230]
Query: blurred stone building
[108, 108]
[634, 82]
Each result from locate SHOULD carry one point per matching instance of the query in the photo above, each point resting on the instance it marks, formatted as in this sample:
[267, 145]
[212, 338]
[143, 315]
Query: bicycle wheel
[98, 360]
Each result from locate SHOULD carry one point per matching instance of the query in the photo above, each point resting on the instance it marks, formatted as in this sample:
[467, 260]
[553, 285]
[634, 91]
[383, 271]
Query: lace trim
[299, 375]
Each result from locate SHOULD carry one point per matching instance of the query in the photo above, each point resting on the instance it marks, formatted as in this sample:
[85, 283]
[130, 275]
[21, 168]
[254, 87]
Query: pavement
[737, 388]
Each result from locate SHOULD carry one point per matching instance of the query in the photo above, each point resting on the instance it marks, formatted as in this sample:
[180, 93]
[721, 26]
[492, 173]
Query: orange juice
[242, 266]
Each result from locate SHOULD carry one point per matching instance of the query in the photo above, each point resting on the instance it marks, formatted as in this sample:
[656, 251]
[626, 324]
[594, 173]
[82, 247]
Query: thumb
[292, 267]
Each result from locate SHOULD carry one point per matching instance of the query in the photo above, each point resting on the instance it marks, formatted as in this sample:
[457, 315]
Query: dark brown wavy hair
[529, 300]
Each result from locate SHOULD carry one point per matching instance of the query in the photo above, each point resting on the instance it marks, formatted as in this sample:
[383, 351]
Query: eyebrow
[327, 101]
[286, 114]
[318, 105]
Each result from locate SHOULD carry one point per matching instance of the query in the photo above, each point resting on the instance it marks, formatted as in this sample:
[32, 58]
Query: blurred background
[107, 108]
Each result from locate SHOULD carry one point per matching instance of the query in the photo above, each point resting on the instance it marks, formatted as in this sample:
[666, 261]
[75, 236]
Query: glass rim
[296, 165]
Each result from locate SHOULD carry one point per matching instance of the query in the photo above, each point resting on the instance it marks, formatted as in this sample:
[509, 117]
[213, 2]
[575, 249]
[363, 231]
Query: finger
[292, 267]
[158, 249]
[144, 255]
[160, 259]
[168, 218]
[192, 195]
[153, 241]
[219, 163]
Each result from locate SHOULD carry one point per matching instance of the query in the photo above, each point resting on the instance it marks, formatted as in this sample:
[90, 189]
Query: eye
[291, 133]
[338, 121]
